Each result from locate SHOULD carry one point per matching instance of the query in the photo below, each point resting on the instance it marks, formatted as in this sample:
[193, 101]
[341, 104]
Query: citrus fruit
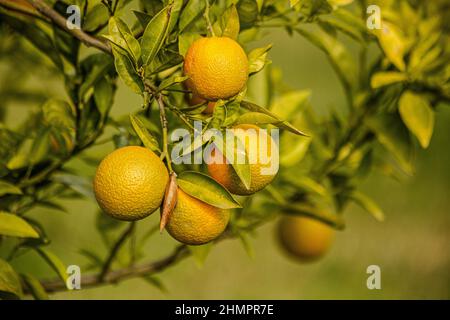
[304, 238]
[258, 146]
[195, 222]
[217, 68]
[130, 183]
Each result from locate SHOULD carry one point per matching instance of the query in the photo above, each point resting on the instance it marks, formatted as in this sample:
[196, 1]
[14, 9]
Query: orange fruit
[130, 182]
[195, 222]
[253, 140]
[217, 68]
[304, 238]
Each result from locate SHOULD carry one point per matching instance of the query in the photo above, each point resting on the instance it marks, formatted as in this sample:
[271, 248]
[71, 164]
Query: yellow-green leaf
[9, 280]
[14, 226]
[8, 188]
[418, 116]
[382, 79]
[206, 189]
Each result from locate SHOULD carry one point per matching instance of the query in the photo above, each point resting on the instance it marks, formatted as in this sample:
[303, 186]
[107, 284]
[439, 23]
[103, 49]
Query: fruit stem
[164, 126]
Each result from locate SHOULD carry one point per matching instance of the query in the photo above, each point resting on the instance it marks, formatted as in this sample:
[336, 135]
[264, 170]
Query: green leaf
[418, 116]
[143, 17]
[127, 72]
[228, 23]
[97, 66]
[80, 184]
[8, 188]
[191, 12]
[206, 189]
[291, 104]
[144, 134]
[54, 262]
[248, 13]
[333, 220]
[348, 23]
[20, 159]
[12, 225]
[241, 169]
[121, 35]
[257, 59]
[103, 96]
[381, 79]
[392, 43]
[308, 184]
[280, 123]
[155, 34]
[296, 152]
[338, 55]
[313, 8]
[9, 280]
[185, 40]
[96, 17]
[38, 37]
[171, 81]
[34, 286]
[393, 135]
[368, 204]
[200, 253]
[164, 60]
[41, 147]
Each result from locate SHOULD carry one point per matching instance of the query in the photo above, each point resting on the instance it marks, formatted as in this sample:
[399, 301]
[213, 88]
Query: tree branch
[181, 252]
[61, 21]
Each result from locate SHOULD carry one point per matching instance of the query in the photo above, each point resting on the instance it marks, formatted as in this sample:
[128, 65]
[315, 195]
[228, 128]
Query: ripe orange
[304, 238]
[217, 68]
[195, 222]
[130, 183]
[254, 141]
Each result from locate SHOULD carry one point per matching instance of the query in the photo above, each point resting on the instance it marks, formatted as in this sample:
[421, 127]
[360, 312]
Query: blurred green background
[412, 247]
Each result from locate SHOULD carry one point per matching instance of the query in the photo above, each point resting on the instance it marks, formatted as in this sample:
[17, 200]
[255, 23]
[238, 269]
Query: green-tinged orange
[195, 222]
[262, 153]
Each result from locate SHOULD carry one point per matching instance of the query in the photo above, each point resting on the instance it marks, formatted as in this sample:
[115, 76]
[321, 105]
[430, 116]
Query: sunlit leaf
[368, 204]
[418, 116]
[9, 280]
[155, 34]
[12, 225]
[144, 134]
[206, 189]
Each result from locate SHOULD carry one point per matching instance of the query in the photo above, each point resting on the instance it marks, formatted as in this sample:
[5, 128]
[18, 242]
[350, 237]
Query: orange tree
[393, 81]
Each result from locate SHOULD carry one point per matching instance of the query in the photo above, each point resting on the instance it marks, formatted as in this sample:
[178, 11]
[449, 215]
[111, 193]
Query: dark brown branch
[61, 21]
[181, 252]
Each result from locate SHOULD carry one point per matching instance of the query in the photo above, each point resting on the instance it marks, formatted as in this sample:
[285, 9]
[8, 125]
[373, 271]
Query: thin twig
[115, 249]
[61, 21]
[208, 21]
